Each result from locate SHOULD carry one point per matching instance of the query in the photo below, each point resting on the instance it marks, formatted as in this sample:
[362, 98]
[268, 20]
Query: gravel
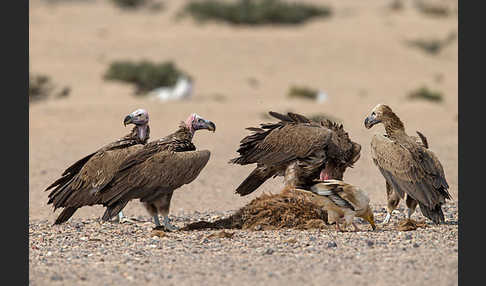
[90, 252]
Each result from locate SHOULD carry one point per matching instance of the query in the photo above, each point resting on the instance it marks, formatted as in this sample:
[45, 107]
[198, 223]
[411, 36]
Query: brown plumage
[297, 148]
[153, 173]
[408, 167]
[343, 202]
[81, 181]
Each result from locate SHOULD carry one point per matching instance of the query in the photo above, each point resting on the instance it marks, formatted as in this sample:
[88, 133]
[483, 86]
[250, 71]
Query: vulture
[343, 202]
[83, 179]
[408, 166]
[152, 173]
[297, 148]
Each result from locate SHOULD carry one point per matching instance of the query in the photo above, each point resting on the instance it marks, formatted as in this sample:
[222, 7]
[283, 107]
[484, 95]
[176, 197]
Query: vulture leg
[356, 228]
[162, 203]
[291, 177]
[393, 199]
[412, 205]
[152, 210]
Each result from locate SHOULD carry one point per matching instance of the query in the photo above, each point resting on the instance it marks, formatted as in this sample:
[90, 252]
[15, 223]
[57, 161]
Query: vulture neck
[185, 131]
[140, 133]
[394, 126]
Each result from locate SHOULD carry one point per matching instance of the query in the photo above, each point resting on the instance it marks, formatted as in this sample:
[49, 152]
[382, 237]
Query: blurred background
[94, 61]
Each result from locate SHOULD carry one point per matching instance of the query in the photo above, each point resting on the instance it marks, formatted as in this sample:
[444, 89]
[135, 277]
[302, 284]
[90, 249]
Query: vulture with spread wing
[153, 173]
[408, 167]
[297, 148]
[82, 180]
[343, 202]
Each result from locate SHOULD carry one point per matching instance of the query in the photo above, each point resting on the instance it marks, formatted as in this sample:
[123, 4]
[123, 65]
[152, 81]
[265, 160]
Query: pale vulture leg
[152, 210]
[291, 175]
[162, 203]
[412, 205]
[393, 199]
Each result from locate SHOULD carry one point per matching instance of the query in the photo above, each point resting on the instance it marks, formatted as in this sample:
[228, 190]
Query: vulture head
[380, 114]
[343, 152]
[138, 117]
[195, 122]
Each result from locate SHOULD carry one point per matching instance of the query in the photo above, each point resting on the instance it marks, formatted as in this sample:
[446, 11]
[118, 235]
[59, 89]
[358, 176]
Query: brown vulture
[342, 202]
[153, 173]
[297, 148]
[408, 167]
[83, 179]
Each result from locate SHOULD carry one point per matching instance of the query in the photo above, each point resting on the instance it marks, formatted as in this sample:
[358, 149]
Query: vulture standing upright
[155, 171]
[81, 182]
[343, 202]
[297, 148]
[408, 167]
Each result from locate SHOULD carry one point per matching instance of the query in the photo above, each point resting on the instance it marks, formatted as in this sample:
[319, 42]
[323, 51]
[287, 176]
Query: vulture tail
[113, 210]
[256, 178]
[66, 214]
[435, 214]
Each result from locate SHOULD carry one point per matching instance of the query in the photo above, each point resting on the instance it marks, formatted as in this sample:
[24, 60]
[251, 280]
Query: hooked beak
[369, 122]
[210, 126]
[371, 220]
[128, 119]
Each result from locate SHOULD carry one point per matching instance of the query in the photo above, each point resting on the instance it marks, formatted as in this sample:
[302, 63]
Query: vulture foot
[165, 224]
[387, 218]
[356, 228]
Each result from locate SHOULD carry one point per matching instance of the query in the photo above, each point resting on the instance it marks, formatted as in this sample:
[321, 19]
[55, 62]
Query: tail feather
[66, 214]
[256, 178]
[113, 210]
[435, 214]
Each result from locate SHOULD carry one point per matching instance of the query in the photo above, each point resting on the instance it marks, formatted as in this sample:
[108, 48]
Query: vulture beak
[210, 126]
[370, 121]
[128, 119]
[369, 218]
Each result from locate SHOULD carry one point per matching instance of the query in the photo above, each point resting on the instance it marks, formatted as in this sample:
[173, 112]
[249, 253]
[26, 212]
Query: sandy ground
[358, 57]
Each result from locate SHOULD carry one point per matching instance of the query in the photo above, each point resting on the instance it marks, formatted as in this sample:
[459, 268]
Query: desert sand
[358, 57]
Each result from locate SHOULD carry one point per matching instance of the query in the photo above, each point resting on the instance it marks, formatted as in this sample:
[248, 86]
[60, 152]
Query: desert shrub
[426, 94]
[433, 46]
[302, 92]
[41, 87]
[254, 12]
[153, 5]
[144, 74]
[433, 8]
[129, 4]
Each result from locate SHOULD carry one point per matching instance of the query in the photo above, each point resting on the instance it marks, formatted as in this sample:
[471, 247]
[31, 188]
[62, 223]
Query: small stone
[408, 236]
[370, 243]
[56, 277]
[416, 245]
[331, 244]
[269, 251]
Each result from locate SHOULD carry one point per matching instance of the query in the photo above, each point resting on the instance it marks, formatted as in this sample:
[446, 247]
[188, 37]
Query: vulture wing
[280, 143]
[164, 171]
[334, 192]
[412, 169]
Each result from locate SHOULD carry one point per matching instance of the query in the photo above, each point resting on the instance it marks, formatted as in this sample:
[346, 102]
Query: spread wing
[166, 170]
[279, 143]
[412, 169]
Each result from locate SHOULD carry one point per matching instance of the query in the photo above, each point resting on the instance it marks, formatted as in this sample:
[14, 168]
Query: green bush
[433, 46]
[302, 92]
[41, 87]
[254, 12]
[144, 74]
[426, 94]
[129, 4]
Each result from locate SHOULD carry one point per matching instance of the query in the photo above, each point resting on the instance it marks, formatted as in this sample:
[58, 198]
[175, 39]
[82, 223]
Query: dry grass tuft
[409, 224]
[288, 209]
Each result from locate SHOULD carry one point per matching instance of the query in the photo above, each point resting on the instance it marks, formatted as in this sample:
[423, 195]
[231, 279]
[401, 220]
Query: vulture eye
[373, 113]
[200, 120]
